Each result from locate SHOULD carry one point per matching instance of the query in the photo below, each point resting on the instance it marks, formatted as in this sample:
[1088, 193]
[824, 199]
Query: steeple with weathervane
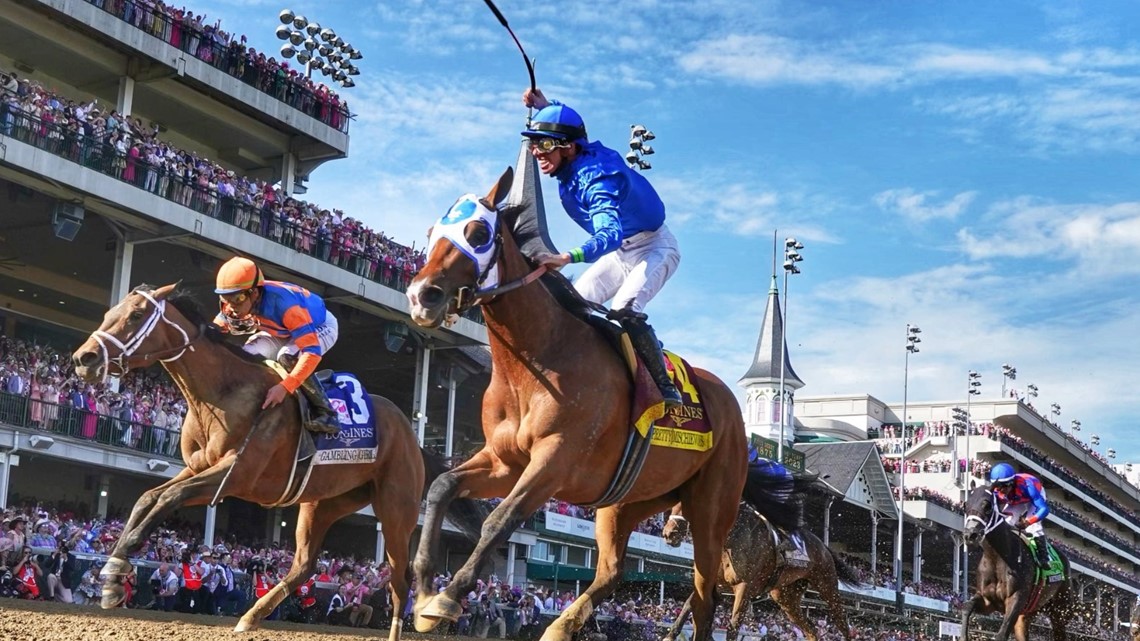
[761, 382]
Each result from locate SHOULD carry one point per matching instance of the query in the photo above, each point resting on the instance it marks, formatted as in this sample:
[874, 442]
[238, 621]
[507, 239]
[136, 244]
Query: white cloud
[1100, 239]
[767, 59]
[917, 207]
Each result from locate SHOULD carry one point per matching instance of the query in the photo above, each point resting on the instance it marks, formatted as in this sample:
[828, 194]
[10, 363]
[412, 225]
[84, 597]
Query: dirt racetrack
[48, 621]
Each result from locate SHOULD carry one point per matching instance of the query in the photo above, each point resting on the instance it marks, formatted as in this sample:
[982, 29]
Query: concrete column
[126, 97]
[875, 544]
[211, 525]
[121, 280]
[273, 528]
[512, 559]
[104, 495]
[827, 521]
[288, 172]
[380, 548]
[916, 556]
[419, 413]
[8, 460]
[449, 442]
[1115, 611]
[957, 572]
[1099, 602]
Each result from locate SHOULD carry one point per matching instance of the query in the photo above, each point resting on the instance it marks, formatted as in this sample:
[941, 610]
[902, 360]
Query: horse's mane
[182, 300]
[527, 224]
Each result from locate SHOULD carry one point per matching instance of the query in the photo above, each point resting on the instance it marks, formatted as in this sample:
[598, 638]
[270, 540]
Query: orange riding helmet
[237, 275]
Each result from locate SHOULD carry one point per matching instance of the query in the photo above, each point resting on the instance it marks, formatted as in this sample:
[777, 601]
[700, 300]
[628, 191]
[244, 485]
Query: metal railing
[65, 420]
[232, 58]
[268, 221]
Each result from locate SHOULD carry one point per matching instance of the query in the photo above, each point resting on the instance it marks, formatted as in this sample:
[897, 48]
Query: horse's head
[675, 530]
[982, 516]
[127, 336]
[463, 257]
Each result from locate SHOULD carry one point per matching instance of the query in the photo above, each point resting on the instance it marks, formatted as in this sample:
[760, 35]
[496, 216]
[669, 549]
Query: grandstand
[86, 219]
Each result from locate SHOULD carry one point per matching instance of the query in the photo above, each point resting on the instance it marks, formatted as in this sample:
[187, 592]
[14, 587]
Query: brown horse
[556, 417]
[1005, 575]
[1134, 621]
[224, 389]
[750, 566]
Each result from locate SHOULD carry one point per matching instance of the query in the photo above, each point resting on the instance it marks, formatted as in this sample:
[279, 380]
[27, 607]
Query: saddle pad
[685, 427]
[357, 440]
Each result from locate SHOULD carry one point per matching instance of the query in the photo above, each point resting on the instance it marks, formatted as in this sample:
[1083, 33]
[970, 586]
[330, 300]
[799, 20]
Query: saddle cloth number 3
[358, 408]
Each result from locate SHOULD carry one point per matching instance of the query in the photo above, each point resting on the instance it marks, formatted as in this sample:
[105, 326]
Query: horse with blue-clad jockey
[768, 551]
[1019, 574]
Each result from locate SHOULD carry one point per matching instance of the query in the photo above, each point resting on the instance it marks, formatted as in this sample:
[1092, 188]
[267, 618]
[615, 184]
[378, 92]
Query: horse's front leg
[675, 629]
[613, 525]
[118, 567]
[478, 477]
[1014, 606]
[967, 611]
[152, 508]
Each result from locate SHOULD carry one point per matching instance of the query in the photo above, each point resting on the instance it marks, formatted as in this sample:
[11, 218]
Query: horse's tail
[845, 572]
[466, 514]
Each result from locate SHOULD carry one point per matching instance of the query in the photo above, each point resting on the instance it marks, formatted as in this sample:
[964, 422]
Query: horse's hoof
[113, 597]
[246, 624]
[438, 609]
[425, 625]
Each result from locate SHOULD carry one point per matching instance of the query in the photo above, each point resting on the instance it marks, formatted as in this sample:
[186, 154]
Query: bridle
[994, 521]
[468, 296]
[138, 337]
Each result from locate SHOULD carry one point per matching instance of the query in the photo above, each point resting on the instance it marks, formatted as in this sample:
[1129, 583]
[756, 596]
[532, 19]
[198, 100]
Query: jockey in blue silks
[632, 250]
[1021, 499]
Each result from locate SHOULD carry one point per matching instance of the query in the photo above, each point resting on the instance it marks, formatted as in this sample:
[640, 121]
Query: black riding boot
[649, 348]
[1042, 551]
[323, 418]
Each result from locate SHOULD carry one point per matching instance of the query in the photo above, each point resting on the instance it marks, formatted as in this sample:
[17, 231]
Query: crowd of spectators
[194, 34]
[188, 576]
[124, 147]
[653, 525]
[39, 389]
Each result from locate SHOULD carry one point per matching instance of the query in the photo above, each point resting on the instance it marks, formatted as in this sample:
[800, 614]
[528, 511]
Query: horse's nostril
[431, 296]
[87, 359]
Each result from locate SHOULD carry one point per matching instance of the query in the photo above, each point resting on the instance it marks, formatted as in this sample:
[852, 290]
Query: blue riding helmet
[559, 122]
[1002, 473]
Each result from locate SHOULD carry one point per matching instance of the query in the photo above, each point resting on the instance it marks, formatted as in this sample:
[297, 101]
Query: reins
[135, 340]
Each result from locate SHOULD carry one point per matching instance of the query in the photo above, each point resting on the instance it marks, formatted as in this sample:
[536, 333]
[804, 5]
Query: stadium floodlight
[1075, 425]
[1095, 439]
[1031, 390]
[1008, 373]
[638, 136]
[912, 341]
[791, 257]
[318, 48]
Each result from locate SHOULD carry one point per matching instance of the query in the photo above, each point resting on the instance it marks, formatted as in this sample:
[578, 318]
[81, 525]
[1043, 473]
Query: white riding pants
[268, 346]
[633, 274]
[1013, 513]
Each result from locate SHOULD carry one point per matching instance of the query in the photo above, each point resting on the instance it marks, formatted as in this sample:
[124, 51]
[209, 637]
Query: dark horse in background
[224, 389]
[752, 565]
[556, 417]
[1006, 575]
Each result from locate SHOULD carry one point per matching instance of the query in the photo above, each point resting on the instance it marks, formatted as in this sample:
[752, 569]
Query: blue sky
[968, 167]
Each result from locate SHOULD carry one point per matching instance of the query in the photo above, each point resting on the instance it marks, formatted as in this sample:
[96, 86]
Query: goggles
[236, 298]
[545, 145]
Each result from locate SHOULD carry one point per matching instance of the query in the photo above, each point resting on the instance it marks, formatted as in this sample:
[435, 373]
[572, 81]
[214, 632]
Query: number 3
[359, 407]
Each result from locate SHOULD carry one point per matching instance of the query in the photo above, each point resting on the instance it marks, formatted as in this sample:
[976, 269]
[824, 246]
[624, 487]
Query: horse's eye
[477, 233]
[136, 315]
